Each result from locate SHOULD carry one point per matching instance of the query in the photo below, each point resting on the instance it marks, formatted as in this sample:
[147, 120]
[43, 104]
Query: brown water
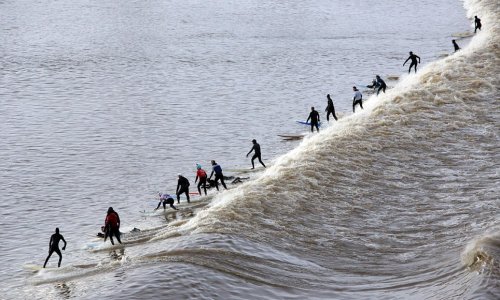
[104, 104]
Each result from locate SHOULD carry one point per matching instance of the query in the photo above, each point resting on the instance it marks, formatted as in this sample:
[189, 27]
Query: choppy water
[103, 103]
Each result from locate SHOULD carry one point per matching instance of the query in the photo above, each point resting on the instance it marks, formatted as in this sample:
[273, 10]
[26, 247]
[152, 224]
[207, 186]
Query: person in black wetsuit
[381, 84]
[166, 199]
[314, 117]
[330, 109]
[54, 247]
[455, 45]
[218, 175]
[413, 58]
[477, 24]
[182, 187]
[257, 154]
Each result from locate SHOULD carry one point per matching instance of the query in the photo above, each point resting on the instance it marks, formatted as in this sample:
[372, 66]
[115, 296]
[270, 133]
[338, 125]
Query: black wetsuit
[218, 176]
[314, 117]
[166, 199]
[455, 45]
[257, 154]
[182, 187]
[381, 85]
[54, 247]
[330, 109]
[414, 62]
[477, 24]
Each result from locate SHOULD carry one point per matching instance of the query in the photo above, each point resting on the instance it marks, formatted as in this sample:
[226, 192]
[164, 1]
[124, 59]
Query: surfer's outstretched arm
[406, 60]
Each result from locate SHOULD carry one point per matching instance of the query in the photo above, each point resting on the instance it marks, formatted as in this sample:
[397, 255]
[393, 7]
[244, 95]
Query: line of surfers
[112, 222]
[377, 84]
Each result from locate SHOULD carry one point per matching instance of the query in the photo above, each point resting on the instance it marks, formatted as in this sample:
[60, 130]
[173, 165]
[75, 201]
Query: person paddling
[54, 247]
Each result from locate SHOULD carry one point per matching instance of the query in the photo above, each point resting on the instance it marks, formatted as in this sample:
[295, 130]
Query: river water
[103, 103]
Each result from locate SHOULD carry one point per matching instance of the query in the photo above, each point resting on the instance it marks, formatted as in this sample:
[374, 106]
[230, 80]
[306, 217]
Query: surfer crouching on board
[112, 226]
[166, 199]
[54, 247]
[314, 117]
[357, 98]
[257, 154]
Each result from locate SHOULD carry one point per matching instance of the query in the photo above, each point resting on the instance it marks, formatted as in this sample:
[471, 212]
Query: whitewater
[397, 201]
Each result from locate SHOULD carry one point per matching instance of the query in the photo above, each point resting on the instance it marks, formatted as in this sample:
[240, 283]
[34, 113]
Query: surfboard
[307, 123]
[462, 35]
[291, 137]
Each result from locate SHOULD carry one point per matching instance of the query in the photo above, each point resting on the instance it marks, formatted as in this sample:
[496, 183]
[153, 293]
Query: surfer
[330, 109]
[54, 247]
[380, 84]
[413, 58]
[218, 175]
[112, 226]
[202, 175]
[455, 45]
[477, 24]
[357, 98]
[314, 117]
[166, 199]
[182, 187]
[257, 154]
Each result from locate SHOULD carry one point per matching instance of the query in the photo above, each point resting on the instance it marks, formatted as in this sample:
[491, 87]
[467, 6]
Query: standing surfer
[314, 117]
[477, 24]
[455, 45]
[112, 226]
[380, 84]
[54, 247]
[357, 98]
[413, 58]
[218, 175]
[182, 187]
[202, 175]
[330, 109]
[257, 154]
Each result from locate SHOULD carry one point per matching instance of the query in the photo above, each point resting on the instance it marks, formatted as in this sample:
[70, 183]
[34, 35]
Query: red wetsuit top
[201, 174]
[113, 220]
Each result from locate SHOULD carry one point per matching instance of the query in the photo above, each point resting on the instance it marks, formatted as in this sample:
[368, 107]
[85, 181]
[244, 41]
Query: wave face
[397, 201]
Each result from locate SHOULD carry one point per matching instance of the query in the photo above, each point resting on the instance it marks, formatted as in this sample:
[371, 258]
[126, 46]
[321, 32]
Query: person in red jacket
[202, 176]
[112, 226]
